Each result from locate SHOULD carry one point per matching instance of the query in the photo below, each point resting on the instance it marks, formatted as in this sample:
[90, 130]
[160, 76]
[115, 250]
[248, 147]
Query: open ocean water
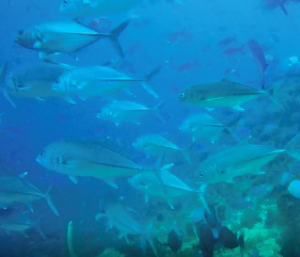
[150, 128]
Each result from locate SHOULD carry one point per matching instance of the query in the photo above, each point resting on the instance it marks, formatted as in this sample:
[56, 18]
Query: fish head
[186, 127]
[193, 94]
[28, 38]
[51, 157]
[143, 182]
[294, 188]
[105, 114]
[63, 83]
[141, 145]
[209, 173]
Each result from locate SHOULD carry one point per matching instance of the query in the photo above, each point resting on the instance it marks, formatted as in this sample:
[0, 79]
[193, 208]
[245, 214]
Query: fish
[92, 81]
[152, 144]
[65, 37]
[175, 238]
[233, 51]
[206, 240]
[294, 188]
[13, 190]
[33, 80]
[228, 238]
[254, 253]
[21, 224]
[226, 41]
[273, 4]
[238, 160]
[86, 8]
[126, 111]
[175, 36]
[204, 125]
[119, 217]
[224, 93]
[259, 56]
[148, 183]
[89, 159]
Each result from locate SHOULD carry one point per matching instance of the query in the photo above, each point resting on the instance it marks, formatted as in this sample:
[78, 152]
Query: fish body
[226, 41]
[206, 240]
[294, 188]
[233, 51]
[125, 111]
[202, 125]
[64, 37]
[228, 238]
[153, 144]
[235, 161]
[87, 159]
[13, 190]
[85, 8]
[224, 93]
[175, 238]
[148, 183]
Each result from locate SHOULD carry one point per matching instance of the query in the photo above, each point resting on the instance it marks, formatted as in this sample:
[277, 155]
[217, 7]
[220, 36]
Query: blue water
[193, 57]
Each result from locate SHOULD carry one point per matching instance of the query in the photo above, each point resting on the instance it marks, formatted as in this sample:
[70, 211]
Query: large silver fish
[148, 183]
[88, 159]
[125, 111]
[153, 144]
[119, 217]
[65, 37]
[13, 190]
[236, 161]
[204, 125]
[224, 93]
[91, 81]
[84, 8]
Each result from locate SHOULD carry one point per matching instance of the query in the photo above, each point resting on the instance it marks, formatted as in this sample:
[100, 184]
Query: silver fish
[125, 111]
[88, 159]
[204, 125]
[13, 190]
[236, 161]
[148, 183]
[65, 37]
[153, 144]
[92, 81]
[224, 93]
[119, 217]
[84, 8]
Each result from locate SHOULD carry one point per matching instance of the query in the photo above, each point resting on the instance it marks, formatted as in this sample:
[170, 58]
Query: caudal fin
[290, 148]
[157, 113]
[283, 8]
[49, 201]
[3, 73]
[146, 83]
[202, 198]
[114, 37]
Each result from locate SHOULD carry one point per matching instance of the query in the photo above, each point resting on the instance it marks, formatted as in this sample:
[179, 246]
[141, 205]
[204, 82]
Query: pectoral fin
[73, 179]
[111, 183]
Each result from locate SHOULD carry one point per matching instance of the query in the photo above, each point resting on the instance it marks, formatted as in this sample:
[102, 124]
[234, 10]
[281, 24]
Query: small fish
[206, 240]
[89, 159]
[273, 4]
[148, 183]
[187, 66]
[13, 190]
[226, 41]
[119, 217]
[125, 111]
[294, 188]
[175, 238]
[224, 93]
[92, 81]
[254, 253]
[204, 125]
[259, 55]
[228, 238]
[85, 8]
[153, 144]
[174, 37]
[65, 37]
[233, 51]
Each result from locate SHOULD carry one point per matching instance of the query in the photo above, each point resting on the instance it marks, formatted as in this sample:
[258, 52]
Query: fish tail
[186, 155]
[290, 148]
[3, 89]
[157, 171]
[114, 37]
[273, 94]
[36, 225]
[157, 113]
[242, 49]
[232, 126]
[149, 77]
[49, 201]
[70, 239]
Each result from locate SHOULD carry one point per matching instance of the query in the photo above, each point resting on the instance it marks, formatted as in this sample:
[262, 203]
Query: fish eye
[142, 183]
[182, 95]
[144, 145]
[42, 153]
[57, 81]
[66, 2]
[21, 32]
[222, 171]
[201, 174]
